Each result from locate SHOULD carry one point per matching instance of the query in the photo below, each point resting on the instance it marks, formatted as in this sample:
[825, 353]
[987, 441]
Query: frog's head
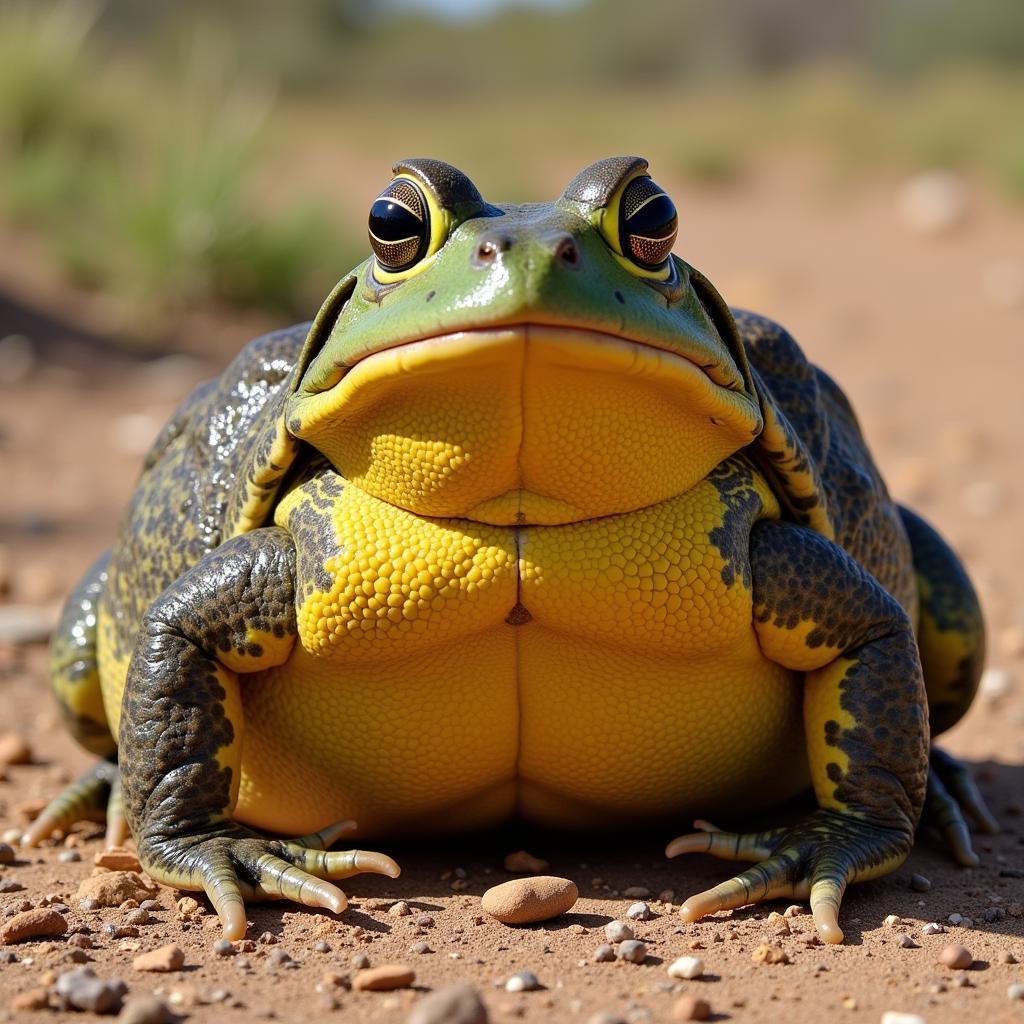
[542, 363]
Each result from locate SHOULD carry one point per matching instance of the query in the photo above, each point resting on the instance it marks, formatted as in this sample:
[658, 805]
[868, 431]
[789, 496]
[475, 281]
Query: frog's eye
[647, 223]
[399, 226]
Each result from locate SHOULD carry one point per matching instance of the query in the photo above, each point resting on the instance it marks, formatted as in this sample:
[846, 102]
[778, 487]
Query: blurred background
[177, 176]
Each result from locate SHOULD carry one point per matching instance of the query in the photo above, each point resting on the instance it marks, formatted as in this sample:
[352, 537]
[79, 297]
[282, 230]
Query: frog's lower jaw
[529, 424]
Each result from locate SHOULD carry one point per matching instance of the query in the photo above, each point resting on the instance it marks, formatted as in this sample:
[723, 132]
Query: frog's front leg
[865, 715]
[181, 736]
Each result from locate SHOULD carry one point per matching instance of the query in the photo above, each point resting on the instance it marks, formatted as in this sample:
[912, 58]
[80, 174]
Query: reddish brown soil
[933, 367]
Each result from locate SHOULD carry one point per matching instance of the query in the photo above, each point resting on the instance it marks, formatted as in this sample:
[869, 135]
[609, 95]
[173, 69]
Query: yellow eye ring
[641, 205]
[407, 227]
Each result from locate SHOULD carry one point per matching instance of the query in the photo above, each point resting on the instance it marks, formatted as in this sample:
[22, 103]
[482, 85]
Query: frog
[525, 481]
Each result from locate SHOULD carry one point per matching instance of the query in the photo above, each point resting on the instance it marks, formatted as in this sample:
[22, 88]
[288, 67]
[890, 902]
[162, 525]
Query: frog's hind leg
[951, 639]
[76, 684]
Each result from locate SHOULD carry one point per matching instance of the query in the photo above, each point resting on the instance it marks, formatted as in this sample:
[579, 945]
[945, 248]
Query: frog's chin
[530, 424]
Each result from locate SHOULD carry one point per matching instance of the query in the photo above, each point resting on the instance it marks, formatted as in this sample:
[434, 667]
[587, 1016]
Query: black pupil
[391, 222]
[655, 219]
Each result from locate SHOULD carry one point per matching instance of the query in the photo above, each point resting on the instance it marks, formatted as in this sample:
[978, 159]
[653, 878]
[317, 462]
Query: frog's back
[178, 511]
[867, 521]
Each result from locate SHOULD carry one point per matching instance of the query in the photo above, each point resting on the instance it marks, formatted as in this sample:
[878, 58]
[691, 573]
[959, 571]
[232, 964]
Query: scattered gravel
[525, 900]
[618, 931]
[958, 958]
[632, 950]
[80, 989]
[455, 1004]
[687, 967]
[523, 981]
[384, 978]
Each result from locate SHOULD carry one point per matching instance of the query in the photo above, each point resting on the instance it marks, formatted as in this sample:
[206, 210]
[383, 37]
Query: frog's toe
[817, 858]
[951, 792]
[86, 799]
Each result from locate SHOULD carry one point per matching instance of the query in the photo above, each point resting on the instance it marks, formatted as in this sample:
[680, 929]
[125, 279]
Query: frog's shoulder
[866, 520]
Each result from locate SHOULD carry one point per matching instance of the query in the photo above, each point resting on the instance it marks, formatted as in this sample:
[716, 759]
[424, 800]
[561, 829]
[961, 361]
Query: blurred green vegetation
[175, 154]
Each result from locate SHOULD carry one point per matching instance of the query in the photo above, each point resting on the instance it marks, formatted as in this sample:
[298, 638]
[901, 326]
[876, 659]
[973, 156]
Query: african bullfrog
[525, 480]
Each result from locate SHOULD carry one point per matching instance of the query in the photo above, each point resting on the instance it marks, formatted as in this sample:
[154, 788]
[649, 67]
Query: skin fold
[525, 477]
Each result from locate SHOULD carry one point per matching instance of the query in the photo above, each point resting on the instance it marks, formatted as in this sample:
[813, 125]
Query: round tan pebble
[769, 953]
[691, 1008]
[41, 923]
[117, 858]
[524, 900]
[14, 749]
[958, 958]
[523, 863]
[161, 961]
[384, 978]
[456, 1004]
[112, 888]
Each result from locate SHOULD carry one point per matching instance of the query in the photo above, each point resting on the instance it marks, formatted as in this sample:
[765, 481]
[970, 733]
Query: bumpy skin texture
[485, 557]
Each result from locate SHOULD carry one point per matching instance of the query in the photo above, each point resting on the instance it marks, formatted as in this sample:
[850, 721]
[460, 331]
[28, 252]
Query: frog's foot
[94, 796]
[951, 791]
[233, 864]
[818, 858]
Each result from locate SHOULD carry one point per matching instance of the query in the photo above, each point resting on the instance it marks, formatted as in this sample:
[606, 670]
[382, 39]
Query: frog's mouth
[529, 423]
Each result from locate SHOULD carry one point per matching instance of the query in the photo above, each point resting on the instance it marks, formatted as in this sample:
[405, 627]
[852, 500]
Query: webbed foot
[93, 796]
[816, 858]
[232, 864]
[951, 792]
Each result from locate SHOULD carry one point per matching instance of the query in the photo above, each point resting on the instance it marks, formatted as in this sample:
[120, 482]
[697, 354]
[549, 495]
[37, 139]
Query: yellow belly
[422, 697]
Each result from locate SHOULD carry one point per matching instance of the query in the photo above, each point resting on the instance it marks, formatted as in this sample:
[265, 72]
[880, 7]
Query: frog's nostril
[567, 252]
[488, 249]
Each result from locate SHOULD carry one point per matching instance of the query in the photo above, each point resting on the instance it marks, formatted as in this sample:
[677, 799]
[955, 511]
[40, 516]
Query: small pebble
[360, 961]
[420, 948]
[224, 947]
[639, 912]
[955, 919]
[321, 947]
[112, 888]
[618, 931]
[778, 924]
[525, 900]
[894, 1017]
[958, 958]
[769, 953]
[636, 892]
[139, 916]
[687, 967]
[632, 950]
[69, 856]
[384, 978]
[145, 1010]
[399, 909]
[42, 923]
[995, 683]
[603, 954]
[892, 921]
[10, 885]
[920, 884]
[281, 957]
[691, 1008]
[6, 854]
[188, 906]
[523, 863]
[454, 1004]
[1015, 992]
[1006, 957]
[522, 981]
[14, 749]
[268, 939]
[605, 1017]
[932, 928]
[907, 942]
[32, 999]
[162, 961]
[80, 989]
[116, 858]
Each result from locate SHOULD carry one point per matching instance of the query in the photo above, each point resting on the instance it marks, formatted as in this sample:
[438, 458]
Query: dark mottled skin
[312, 526]
[173, 722]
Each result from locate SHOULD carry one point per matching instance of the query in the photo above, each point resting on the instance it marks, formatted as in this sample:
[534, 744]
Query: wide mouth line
[724, 377]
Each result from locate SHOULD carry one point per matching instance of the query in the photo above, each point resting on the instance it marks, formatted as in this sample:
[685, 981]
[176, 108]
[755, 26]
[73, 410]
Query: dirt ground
[925, 334]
